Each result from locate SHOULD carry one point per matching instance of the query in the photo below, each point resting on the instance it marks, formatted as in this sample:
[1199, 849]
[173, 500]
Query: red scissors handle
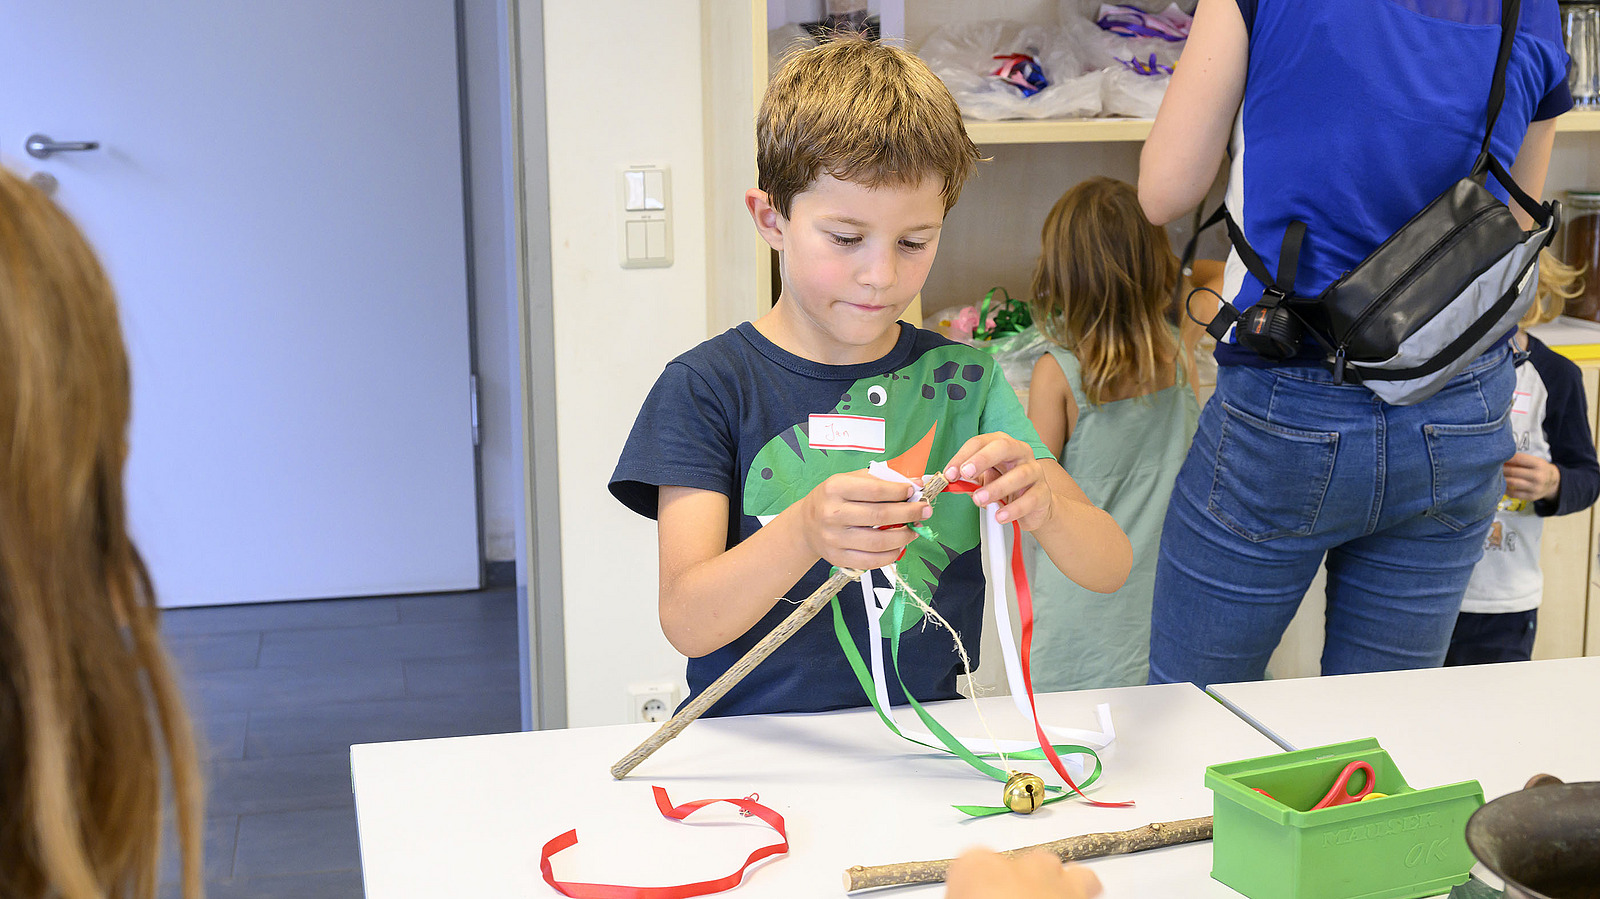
[1339, 793]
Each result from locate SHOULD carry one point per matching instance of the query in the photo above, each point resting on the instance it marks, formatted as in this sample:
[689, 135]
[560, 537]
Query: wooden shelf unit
[1092, 130]
[1058, 131]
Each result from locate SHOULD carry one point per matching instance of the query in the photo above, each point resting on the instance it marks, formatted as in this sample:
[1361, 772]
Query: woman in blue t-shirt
[1349, 117]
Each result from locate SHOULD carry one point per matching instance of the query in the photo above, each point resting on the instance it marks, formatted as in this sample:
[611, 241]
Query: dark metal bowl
[1543, 841]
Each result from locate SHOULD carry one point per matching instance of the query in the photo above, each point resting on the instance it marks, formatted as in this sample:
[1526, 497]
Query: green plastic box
[1406, 844]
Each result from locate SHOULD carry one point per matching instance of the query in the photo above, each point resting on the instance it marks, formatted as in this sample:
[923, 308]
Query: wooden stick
[807, 610]
[1089, 845]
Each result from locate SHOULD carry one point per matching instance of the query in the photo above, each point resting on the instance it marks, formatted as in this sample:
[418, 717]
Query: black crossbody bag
[1439, 292]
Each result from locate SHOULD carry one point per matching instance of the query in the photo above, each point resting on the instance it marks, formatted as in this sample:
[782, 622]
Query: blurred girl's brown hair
[1558, 283]
[92, 725]
[1103, 286]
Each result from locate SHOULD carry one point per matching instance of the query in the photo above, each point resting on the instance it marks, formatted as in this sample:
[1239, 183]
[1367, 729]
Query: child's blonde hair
[1558, 283]
[1104, 283]
[91, 718]
[862, 111]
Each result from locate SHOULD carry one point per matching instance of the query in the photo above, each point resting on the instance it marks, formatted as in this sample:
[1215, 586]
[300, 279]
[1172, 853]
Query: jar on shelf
[1580, 30]
[1581, 210]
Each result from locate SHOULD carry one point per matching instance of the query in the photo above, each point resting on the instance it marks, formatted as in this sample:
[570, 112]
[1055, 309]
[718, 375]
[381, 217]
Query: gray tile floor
[280, 691]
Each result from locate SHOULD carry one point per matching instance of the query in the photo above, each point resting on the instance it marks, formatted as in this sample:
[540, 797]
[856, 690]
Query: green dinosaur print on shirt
[943, 391]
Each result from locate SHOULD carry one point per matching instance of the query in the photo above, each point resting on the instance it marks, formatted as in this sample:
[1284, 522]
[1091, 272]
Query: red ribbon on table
[747, 806]
[1019, 577]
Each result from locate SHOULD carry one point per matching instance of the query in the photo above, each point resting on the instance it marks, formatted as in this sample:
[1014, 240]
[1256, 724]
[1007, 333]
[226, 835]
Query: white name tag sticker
[848, 432]
[1522, 402]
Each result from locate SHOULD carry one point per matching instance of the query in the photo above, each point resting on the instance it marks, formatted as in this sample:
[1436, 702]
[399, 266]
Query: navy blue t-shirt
[743, 417]
[1566, 430]
[1357, 114]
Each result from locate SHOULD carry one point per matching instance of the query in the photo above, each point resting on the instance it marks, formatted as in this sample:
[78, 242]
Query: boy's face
[851, 258]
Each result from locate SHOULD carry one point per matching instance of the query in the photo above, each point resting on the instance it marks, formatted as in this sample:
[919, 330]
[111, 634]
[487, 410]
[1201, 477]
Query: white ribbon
[876, 599]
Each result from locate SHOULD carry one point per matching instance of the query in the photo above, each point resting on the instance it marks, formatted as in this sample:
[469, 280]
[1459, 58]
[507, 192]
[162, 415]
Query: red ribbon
[1019, 577]
[747, 806]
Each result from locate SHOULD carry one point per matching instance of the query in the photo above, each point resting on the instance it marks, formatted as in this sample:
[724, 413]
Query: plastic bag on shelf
[1129, 93]
[1126, 20]
[1016, 354]
[1144, 54]
[1017, 344]
[1132, 45]
[1090, 9]
[965, 55]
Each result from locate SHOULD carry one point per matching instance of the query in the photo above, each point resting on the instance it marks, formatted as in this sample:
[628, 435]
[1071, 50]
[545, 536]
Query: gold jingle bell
[1024, 793]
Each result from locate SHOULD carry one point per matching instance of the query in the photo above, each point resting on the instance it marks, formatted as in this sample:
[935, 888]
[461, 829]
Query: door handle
[40, 146]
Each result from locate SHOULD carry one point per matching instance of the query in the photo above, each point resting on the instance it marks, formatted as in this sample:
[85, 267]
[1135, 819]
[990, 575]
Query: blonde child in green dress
[1114, 398]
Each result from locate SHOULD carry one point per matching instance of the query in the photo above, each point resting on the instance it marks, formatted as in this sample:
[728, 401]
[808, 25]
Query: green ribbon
[983, 315]
[951, 744]
[1010, 317]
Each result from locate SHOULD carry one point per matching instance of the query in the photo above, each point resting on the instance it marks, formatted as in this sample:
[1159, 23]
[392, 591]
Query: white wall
[616, 328]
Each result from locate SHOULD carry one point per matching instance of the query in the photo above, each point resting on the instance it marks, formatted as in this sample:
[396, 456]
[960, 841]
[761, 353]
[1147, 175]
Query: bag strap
[1510, 13]
[1288, 258]
[1279, 289]
[1539, 212]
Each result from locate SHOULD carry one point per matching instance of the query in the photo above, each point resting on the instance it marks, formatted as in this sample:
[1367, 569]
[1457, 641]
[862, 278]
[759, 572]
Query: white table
[1496, 724]
[469, 816]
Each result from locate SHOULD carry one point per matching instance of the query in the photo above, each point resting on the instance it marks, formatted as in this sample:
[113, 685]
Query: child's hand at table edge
[981, 874]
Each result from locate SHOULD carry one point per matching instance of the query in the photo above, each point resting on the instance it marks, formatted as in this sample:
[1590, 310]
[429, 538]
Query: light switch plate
[645, 232]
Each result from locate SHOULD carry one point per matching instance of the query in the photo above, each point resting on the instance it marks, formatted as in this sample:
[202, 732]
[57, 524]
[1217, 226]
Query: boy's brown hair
[862, 111]
[1103, 284]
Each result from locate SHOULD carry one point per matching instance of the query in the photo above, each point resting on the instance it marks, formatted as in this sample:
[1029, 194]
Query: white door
[277, 196]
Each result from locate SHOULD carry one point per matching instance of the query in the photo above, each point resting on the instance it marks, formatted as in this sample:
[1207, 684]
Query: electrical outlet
[651, 702]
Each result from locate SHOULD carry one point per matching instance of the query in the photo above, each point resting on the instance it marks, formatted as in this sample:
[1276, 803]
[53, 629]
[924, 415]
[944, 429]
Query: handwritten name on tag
[851, 432]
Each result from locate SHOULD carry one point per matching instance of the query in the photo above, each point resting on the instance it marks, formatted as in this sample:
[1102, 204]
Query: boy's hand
[1009, 474]
[842, 520]
[1531, 478]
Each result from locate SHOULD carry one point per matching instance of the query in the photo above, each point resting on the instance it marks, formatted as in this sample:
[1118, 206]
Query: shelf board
[1579, 120]
[1058, 131]
[1070, 131]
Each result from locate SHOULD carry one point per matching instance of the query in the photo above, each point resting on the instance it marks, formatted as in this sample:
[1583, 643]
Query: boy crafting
[752, 449]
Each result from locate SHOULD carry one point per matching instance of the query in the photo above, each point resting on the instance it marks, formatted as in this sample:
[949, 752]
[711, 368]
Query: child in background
[751, 450]
[1554, 472]
[1114, 399]
[92, 726]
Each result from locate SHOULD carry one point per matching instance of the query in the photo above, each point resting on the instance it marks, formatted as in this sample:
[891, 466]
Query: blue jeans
[1285, 467]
